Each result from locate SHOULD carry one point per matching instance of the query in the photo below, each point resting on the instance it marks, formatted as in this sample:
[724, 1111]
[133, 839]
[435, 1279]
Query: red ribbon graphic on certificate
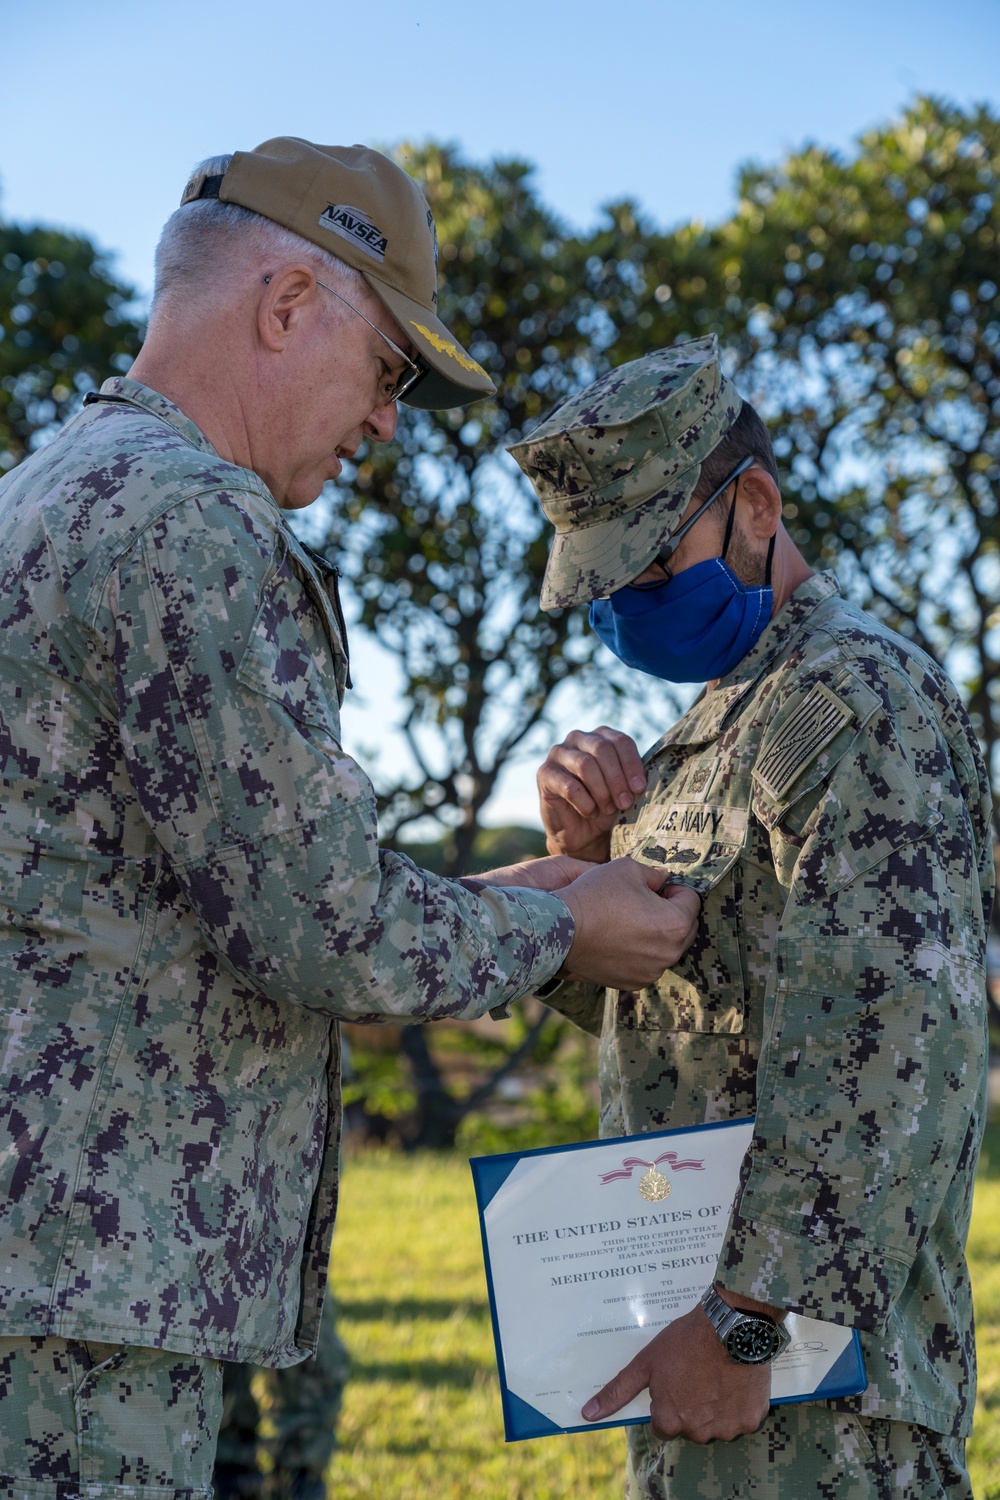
[653, 1186]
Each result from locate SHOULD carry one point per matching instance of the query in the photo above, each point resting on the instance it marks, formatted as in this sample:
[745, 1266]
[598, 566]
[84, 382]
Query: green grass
[984, 1258]
[421, 1414]
[421, 1418]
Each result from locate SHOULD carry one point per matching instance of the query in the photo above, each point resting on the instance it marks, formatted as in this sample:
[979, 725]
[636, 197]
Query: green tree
[878, 278]
[64, 325]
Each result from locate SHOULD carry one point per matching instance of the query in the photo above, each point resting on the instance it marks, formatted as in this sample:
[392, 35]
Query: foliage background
[64, 326]
[856, 298]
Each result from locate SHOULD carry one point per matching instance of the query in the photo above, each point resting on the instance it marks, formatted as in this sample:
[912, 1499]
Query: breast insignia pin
[653, 1186]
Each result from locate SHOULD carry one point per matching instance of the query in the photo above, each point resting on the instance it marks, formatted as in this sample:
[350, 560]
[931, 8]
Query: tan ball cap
[615, 466]
[358, 205]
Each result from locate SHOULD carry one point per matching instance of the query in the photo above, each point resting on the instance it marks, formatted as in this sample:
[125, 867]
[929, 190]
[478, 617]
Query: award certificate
[591, 1249]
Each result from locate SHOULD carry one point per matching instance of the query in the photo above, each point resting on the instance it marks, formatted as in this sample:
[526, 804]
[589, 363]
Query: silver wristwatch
[749, 1338]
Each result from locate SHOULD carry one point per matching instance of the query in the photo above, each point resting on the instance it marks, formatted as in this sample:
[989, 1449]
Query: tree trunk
[438, 1114]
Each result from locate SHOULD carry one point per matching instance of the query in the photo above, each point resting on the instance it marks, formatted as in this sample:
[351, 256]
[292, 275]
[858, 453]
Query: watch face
[753, 1342]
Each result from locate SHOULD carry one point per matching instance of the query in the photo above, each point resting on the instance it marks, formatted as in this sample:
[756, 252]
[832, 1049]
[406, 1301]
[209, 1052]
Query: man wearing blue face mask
[704, 624]
[826, 798]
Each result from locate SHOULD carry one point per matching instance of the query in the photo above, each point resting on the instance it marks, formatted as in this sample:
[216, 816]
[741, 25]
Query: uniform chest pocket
[698, 844]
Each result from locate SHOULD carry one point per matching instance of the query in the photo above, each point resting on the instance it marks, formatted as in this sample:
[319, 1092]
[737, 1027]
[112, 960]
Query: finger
[606, 748]
[684, 910]
[588, 769]
[684, 901]
[659, 880]
[619, 1391]
[558, 785]
[628, 756]
[721, 1426]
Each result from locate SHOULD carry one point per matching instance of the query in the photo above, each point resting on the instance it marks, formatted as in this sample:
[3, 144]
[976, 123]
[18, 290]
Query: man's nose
[381, 424]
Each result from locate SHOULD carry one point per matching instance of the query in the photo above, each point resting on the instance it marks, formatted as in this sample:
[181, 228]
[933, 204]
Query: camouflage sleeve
[869, 1086]
[579, 1002]
[230, 726]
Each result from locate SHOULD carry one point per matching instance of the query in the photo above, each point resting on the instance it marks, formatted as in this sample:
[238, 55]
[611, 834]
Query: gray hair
[207, 243]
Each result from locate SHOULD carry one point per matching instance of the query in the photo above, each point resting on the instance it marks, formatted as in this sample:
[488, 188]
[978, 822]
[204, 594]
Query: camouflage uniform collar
[133, 393]
[707, 716]
[779, 633]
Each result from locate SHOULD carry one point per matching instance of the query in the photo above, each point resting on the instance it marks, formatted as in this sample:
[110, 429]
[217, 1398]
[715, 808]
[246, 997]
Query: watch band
[748, 1338]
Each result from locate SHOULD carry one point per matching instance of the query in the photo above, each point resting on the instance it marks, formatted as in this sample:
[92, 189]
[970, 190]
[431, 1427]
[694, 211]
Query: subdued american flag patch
[819, 717]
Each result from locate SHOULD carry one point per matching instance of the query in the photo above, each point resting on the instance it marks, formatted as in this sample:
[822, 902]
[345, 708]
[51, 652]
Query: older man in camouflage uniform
[193, 889]
[827, 799]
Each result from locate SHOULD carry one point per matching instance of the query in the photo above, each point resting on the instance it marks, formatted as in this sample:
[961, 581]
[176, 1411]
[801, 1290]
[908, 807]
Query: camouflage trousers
[79, 1418]
[807, 1449]
[301, 1405]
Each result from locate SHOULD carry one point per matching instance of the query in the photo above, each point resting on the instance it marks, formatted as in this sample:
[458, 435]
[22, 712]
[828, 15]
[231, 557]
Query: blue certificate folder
[591, 1249]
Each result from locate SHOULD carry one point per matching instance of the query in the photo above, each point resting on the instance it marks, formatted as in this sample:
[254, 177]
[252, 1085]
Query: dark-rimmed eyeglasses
[673, 542]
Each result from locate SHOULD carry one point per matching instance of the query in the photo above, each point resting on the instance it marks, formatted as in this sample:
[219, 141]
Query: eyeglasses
[391, 388]
[673, 542]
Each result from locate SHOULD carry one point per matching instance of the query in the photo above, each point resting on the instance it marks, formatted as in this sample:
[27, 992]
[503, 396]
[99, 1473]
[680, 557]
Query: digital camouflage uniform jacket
[828, 800]
[192, 895]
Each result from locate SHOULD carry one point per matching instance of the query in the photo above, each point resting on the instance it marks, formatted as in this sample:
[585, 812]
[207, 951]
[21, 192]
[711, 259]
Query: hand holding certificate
[694, 1389]
[592, 1250]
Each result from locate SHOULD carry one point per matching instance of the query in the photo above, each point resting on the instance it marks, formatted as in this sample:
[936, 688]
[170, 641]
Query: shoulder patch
[819, 717]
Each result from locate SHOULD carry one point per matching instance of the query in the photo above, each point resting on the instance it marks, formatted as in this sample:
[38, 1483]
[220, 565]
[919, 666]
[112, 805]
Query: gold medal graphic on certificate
[654, 1187]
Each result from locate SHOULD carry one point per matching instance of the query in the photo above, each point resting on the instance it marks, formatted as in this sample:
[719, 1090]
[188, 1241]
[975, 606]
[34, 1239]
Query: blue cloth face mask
[694, 626]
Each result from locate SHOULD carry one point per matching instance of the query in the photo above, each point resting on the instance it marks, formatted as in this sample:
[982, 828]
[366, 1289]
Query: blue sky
[106, 108]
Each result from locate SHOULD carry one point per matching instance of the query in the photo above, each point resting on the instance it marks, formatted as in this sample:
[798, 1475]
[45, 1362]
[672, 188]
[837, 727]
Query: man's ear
[284, 299]
[762, 501]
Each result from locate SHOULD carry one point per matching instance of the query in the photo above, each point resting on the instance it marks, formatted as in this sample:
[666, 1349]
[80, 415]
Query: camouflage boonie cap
[615, 466]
